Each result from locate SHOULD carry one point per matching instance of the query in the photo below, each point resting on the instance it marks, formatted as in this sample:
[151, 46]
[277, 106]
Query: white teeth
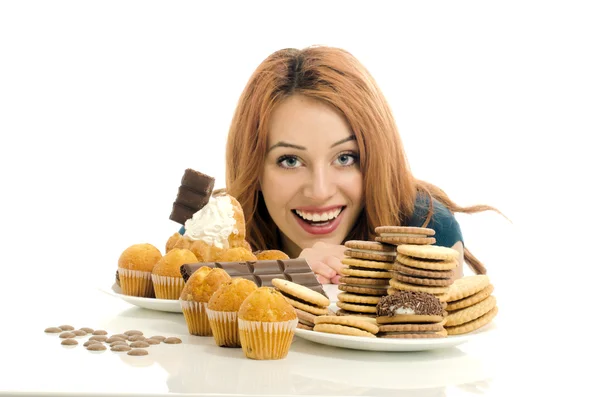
[319, 217]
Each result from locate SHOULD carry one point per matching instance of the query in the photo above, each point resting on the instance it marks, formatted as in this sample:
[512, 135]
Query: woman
[315, 159]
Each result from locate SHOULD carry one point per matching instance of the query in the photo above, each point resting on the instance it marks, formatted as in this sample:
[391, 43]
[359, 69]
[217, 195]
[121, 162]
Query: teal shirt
[447, 229]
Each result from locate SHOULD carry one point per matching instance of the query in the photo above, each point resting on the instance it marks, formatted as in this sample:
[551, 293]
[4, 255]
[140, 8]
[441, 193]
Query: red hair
[335, 77]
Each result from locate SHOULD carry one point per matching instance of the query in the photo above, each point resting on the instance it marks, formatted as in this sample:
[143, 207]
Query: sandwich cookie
[306, 320]
[471, 304]
[370, 250]
[398, 235]
[364, 285]
[409, 311]
[347, 325]
[301, 297]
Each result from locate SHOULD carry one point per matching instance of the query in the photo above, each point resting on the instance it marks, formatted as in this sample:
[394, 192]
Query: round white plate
[389, 345]
[163, 305]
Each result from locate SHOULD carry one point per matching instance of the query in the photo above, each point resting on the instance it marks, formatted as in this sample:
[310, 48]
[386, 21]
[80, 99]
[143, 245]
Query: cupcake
[266, 324]
[166, 275]
[271, 255]
[135, 269]
[195, 296]
[223, 308]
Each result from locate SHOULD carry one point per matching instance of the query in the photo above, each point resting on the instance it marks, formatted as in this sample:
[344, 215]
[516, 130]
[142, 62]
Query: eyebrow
[291, 145]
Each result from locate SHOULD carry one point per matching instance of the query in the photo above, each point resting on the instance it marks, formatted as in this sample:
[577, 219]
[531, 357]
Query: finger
[336, 279]
[323, 280]
[334, 263]
[323, 269]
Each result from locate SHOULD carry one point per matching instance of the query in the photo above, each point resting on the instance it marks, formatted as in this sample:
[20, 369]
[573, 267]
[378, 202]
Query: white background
[104, 104]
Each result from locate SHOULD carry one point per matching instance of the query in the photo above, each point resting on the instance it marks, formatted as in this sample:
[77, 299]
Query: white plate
[389, 345]
[163, 305]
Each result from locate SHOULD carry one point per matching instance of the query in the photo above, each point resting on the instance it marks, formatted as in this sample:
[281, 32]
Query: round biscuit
[430, 282]
[426, 264]
[355, 307]
[342, 330]
[424, 231]
[354, 298]
[370, 256]
[342, 312]
[399, 285]
[471, 299]
[363, 281]
[300, 291]
[307, 308]
[304, 326]
[409, 318]
[468, 285]
[474, 324]
[406, 240]
[431, 327]
[363, 290]
[414, 272]
[428, 252]
[369, 325]
[347, 271]
[471, 313]
[416, 335]
[365, 264]
[370, 246]
[305, 316]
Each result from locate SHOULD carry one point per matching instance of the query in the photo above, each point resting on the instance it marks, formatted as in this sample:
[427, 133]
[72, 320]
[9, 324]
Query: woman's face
[311, 181]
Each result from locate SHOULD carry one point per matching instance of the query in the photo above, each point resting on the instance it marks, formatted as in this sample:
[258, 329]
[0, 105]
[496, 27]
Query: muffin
[175, 237]
[237, 254]
[135, 269]
[166, 276]
[271, 255]
[195, 296]
[266, 324]
[223, 308]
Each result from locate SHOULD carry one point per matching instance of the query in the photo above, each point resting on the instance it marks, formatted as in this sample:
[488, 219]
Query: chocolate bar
[262, 272]
[193, 194]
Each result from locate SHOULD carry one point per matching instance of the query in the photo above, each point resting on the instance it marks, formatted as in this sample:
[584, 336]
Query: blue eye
[288, 162]
[347, 159]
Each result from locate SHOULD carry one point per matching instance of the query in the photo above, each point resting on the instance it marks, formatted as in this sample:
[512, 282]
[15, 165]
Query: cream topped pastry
[213, 223]
[409, 302]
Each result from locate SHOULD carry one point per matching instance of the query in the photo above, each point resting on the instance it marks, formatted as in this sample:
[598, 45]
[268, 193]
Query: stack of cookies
[470, 305]
[366, 276]
[424, 268]
[308, 303]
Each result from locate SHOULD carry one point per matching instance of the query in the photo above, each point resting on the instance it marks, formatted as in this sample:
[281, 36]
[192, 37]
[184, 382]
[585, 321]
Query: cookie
[471, 300]
[302, 297]
[370, 250]
[399, 285]
[405, 235]
[471, 313]
[409, 319]
[374, 273]
[431, 327]
[414, 335]
[342, 312]
[355, 307]
[427, 264]
[304, 326]
[305, 317]
[365, 324]
[474, 324]
[363, 281]
[364, 290]
[434, 252]
[354, 298]
[342, 330]
[415, 272]
[467, 286]
[432, 282]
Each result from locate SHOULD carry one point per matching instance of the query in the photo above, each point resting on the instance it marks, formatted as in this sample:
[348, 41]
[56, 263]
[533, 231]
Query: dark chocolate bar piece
[193, 194]
[262, 272]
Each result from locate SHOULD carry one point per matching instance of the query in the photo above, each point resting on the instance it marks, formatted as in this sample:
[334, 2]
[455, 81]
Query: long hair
[335, 77]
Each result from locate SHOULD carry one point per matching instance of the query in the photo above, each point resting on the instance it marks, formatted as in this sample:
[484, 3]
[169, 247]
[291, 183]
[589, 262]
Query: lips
[319, 221]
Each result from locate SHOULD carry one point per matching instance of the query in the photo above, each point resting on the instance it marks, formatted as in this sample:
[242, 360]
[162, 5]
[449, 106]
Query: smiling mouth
[319, 219]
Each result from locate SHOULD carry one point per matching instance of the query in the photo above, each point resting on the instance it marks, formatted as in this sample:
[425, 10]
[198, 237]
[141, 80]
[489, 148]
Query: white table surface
[506, 360]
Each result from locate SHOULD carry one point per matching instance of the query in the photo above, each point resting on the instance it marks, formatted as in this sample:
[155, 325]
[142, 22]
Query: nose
[320, 185]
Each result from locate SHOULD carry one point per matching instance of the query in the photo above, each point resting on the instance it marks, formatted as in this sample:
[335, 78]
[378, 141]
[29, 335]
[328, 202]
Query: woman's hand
[325, 260]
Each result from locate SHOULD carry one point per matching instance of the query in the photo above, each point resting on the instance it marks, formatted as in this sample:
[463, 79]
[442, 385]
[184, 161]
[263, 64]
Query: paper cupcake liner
[196, 318]
[167, 287]
[224, 328]
[266, 340]
[136, 283]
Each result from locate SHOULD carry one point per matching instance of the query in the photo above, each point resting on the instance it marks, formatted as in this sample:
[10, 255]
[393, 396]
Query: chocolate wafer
[262, 272]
